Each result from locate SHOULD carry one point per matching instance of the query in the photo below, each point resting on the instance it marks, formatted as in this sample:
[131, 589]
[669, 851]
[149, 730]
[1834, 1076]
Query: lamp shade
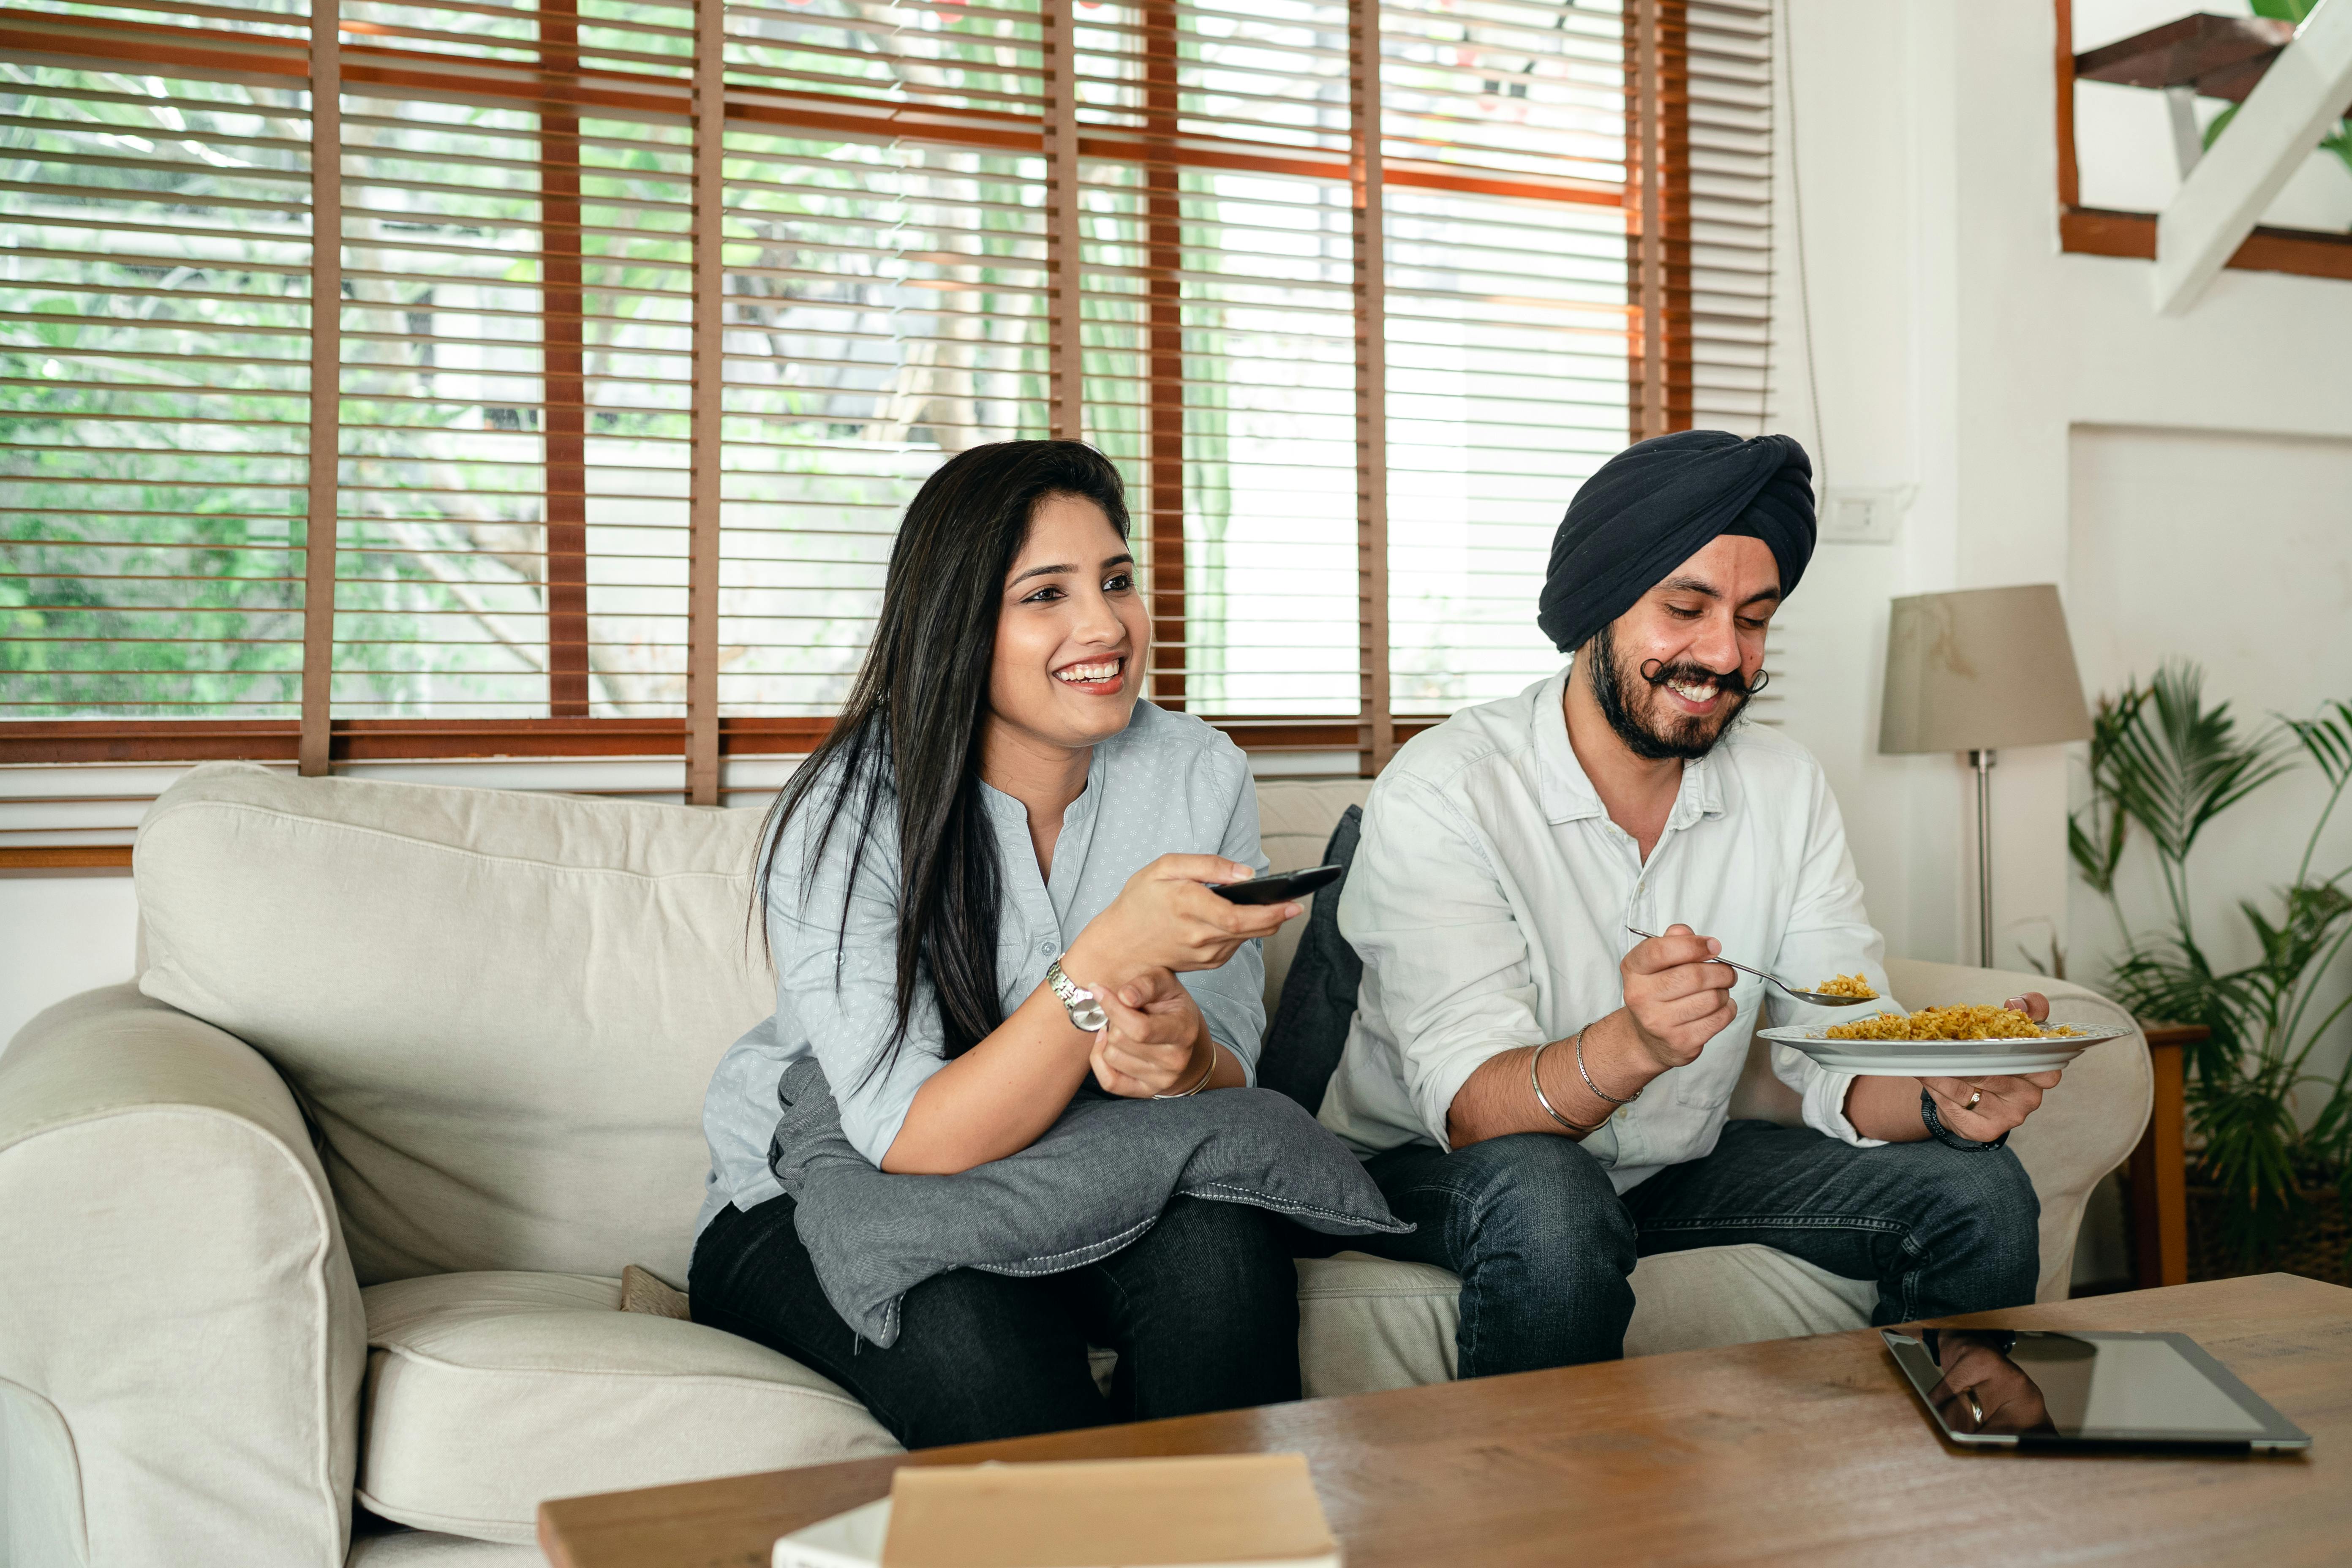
[1979, 670]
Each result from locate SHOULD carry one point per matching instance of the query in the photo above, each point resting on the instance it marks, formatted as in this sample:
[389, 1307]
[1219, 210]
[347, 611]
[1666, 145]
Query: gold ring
[1974, 1094]
[1976, 1411]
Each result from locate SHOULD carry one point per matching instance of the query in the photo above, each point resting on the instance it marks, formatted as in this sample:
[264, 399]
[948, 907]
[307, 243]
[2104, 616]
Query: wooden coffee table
[1809, 1450]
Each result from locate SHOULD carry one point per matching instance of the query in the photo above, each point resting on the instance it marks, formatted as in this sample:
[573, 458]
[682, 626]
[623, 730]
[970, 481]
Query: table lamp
[1975, 671]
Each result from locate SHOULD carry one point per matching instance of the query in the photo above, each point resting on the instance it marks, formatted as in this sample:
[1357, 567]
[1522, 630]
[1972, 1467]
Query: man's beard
[1657, 735]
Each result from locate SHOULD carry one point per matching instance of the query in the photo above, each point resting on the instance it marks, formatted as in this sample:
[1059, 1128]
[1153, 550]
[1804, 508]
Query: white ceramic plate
[1942, 1059]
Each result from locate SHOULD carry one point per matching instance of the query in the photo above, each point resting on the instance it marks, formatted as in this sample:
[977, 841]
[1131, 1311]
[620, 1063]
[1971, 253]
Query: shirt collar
[1701, 794]
[1566, 792]
[1009, 812]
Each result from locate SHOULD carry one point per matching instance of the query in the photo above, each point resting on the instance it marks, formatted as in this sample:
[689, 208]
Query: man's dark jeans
[1203, 1311]
[1544, 1244]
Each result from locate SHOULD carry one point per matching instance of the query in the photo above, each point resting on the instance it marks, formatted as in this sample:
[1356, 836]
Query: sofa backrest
[500, 1010]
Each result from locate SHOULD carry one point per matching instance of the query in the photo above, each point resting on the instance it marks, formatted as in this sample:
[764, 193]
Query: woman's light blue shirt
[1167, 783]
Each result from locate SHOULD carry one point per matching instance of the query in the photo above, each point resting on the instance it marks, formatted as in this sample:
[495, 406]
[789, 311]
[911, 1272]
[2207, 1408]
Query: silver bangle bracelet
[1535, 1081]
[1204, 1083]
[1587, 1076]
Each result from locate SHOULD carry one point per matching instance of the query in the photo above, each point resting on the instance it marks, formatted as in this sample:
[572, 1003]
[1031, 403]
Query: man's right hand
[1676, 999]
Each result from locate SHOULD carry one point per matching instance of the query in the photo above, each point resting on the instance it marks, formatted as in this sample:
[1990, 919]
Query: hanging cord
[1788, 74]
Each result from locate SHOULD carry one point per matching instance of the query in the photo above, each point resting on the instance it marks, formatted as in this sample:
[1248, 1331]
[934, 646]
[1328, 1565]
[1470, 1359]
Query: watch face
[1089, 1014]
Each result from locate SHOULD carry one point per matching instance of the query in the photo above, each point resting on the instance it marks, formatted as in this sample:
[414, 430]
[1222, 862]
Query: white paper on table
[853, 1540]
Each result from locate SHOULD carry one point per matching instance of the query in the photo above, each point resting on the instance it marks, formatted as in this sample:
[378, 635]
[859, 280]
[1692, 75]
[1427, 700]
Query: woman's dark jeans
[1545, 1244]
[1203, 1311]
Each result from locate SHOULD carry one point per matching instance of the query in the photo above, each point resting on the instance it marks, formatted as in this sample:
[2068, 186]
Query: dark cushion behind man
[1318, 995]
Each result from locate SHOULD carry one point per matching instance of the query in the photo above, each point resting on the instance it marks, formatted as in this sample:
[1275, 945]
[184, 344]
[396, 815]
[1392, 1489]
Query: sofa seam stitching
[440, 1364]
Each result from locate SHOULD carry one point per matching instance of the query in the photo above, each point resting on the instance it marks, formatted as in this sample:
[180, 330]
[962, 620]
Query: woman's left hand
[1152, 1043]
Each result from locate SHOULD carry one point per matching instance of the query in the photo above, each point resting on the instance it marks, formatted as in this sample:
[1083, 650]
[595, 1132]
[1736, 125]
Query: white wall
[1956, 348]
[2150, 507]
[60, 935]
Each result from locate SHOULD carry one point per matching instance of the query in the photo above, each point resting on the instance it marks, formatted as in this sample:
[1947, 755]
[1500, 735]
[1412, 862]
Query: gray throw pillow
[1096, 1181]
[1318, 995]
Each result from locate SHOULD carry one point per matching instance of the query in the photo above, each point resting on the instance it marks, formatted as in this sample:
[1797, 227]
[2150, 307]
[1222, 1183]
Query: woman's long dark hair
[917, 713]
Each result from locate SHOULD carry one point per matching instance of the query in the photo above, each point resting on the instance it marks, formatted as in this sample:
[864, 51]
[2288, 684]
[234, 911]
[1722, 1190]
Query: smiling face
[1070, 631]
[1673, 672]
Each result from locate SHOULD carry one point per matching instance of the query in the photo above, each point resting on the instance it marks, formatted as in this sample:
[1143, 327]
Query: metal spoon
[1818, 998]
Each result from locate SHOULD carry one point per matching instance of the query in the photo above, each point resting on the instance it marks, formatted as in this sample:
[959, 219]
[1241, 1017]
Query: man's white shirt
[1490, 899]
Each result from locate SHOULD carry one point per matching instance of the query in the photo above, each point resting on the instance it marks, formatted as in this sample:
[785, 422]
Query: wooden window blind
[651, 315]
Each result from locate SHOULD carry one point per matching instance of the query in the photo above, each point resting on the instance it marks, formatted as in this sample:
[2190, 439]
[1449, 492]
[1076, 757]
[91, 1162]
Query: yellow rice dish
[1846, 985]
[1948, 1024]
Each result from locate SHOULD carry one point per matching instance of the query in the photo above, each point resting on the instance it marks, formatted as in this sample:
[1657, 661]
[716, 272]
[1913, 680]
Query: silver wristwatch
[1085, 1013]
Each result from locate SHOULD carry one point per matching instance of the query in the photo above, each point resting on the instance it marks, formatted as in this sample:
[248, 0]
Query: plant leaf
[2327, 739]
[2179, 763]
[2096, 835]
[2168, 982]
[2220, 123]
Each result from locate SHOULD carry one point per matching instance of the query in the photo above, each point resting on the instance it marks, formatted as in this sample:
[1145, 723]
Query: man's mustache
[1657, 672]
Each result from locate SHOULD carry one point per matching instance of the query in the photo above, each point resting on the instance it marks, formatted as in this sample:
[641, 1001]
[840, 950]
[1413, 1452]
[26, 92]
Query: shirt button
[1045, 947]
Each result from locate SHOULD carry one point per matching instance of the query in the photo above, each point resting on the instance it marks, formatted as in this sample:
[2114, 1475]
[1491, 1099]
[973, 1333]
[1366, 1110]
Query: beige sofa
[330, 1205]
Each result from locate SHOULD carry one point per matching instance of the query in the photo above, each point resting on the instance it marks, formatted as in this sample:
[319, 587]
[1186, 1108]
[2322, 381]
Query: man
[1542, 1091]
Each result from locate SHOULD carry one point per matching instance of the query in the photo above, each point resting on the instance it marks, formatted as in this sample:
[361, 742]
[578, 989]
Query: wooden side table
[2159, 1167]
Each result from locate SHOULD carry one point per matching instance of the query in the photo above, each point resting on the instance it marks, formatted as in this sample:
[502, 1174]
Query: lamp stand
[1982, 761]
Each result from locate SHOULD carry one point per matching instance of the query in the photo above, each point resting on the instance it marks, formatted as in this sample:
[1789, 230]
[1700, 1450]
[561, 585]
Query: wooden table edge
[846, 1484]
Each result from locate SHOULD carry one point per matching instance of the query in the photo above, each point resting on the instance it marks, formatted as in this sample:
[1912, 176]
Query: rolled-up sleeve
[1828, 933]
[1232, 996]
[1428, 914]
[838, 982]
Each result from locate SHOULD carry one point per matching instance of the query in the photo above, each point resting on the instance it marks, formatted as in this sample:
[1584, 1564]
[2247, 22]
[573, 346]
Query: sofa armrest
[180, 1370]
[2086, 1127]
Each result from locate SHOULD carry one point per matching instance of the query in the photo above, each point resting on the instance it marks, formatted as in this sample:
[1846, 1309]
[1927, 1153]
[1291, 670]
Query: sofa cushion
[397, 1546]
[1367, 1324]
[487, 1393]
[500, 1010]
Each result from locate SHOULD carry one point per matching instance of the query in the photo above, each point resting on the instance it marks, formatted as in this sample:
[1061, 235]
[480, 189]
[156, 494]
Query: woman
[993, 814]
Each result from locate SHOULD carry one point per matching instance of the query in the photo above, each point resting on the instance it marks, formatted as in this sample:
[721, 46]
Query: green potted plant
[2271, 1140]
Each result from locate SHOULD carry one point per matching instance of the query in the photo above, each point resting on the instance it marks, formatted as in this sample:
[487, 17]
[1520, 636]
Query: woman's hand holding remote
[1166, 919]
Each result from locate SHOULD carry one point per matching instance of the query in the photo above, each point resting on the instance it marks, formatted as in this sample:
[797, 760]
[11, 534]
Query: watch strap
[1945, 1136]
[1085, 1013]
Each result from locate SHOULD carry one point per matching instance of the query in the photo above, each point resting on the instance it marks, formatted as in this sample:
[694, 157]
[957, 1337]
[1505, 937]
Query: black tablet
[2030, 1389]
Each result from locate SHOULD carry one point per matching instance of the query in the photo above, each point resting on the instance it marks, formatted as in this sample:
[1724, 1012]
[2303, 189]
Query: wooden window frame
[1655, 197]
[2100, 231]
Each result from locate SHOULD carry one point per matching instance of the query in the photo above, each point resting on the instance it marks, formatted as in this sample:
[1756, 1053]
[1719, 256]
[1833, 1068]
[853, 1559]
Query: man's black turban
[1655, 505]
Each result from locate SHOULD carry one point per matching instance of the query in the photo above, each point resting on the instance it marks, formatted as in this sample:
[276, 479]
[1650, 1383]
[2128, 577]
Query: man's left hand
[1984, 1109]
